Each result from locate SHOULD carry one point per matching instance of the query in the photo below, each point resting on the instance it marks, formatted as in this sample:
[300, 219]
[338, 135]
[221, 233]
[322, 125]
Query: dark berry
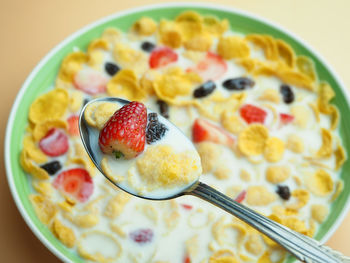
[155, 130]
[283, 192]
[287, 93]
[51, 167]
[111, 68]
[238, 83]
[204, 90]
[85, 102]
[142, 236]
[147, 46]
[163, 108]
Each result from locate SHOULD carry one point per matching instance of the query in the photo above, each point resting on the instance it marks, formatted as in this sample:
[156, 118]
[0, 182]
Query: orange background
[29, 29]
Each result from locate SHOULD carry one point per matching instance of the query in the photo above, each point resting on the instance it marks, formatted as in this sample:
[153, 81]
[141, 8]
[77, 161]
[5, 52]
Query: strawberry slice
[187, 259]
[187, 207]
[286, 118]
[161, 57]
[203, 130]
[73, 125]
[142, 236]
[241, 196]
[54, 143]
[90, 81]
[212, 67]
[251, 113]
[125, 131]
[76, 183]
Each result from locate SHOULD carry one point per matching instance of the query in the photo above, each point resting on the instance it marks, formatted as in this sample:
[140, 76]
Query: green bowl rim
[126, 12]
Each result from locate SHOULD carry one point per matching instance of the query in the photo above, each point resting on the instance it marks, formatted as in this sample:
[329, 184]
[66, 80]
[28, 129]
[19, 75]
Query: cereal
[326, 149]
[199, 43]
[232, 122]
[339, 186]
[214, 26]
[116, 205]
[320, 183]
[334, 116]
[270, 95]
[222, 172]
[340, 157]
[266, 43]
[306, 66]
[245, 176]
[44, 208]
[274, 149]
[232, 47]
[63, 233]
[259, 196]
[254, 244]
[210, 154]
[223, 256]
[43, 188]
[301, 115]
[30, 167]
[326, 94]
[103, 112]
[145, 26]
[277, 174]
[319, 212]
[75, 101]
[34, 153]
[170, 34]
[286, 54]
[303, 198]
[43, 127]
[129, 58]
[111, 35]
[71, 65]
[295, 144]
[252, 140]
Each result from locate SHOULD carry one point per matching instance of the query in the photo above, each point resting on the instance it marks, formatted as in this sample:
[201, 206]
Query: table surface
[29, 29]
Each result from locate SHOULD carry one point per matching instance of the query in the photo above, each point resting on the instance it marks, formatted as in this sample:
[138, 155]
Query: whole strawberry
[124, 132]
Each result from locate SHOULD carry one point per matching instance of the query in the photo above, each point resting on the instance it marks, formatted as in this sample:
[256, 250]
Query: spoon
[302, 247]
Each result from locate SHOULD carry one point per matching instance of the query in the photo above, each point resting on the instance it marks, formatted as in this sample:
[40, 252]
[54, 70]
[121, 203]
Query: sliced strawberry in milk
[161, 57]
[286, 118]
[90, 81]
[76, 183]
[54, 143]
[212, 67]
[253, 114]
[241, 196]
[73, 125]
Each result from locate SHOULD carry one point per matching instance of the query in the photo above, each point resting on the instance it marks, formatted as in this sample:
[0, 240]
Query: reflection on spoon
[302, 247]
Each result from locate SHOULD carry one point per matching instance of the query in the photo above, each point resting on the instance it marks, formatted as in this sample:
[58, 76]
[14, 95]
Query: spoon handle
[302, 247]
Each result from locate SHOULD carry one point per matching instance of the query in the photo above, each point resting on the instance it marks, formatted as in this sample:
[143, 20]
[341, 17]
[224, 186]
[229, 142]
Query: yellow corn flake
[116, 205]
[129, 58]
[43, 188]
[334, 116]
[125, 84]
[249, 64]
[29, 167]
[192, 246]
[282, 211]
[286, 53]
[201, 42]
[63, 233]
[326, 149]
[295, 78]
[274, 149]
[233, 47]
[145, 26]
[301, 115]
[214, 26]
[51, 105]
[340, 157]
[75, 100]
[232, 122]
[103, 112]
[316, 111]
[270, 95]
[170, 34]
[223, 256]
[34, 153]
[303, 198]
[190, 24]
[149, 211]
[71, 65]
[86, 221]
[245, 176]
[210, 154]
[252, 140]
[254, 244]
[194, 56]
[109, 173]
[326, 94]
[189, 16]
[295, 224]
[222, 172]
[89, 114]
[111, 35]
[295, 144]
[146, 81]
[277, 174]
[320, 183]
[95, 54]
[319, 212]
[43, 127]
[116, 228]
[259, 196]
[66, 206]
[265, 258]
[44, 208]
[266, 43]
[339, 186]
[306, 66]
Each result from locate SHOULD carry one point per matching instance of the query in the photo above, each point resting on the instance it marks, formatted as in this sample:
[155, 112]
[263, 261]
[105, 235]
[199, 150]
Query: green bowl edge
[239, 22]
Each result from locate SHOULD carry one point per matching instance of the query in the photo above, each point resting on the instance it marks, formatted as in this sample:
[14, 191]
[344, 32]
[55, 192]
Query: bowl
[45, 72]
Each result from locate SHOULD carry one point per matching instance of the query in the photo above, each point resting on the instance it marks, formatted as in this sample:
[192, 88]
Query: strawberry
[187, 207]
[73, 125]
[241, 196]
[161, 57]
[203, 130]
[187, 259]
[142, 236]
[90, 81]
[286, 118]
[124, 132]
[251, 113]
[54, 143]
[76, 183]
[212, 67]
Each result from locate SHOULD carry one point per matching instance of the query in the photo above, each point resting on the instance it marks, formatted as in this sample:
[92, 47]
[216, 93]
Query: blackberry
[155, 130]
[287, 93]
[52, 167]
[111, 68]
[238, 83]
[283, 192]
[147, 46]
[204, 90]
[163, 108]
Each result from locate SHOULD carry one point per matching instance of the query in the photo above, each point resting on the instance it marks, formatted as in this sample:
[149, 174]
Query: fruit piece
[54, 143]
[203, 130]
[286, 118]
[90, 81]
[73, 125]
[111, 68]
[187, 207]
[187, 259]
[147, 46]
[204, 90]
[241, 196]
[76, 183]
[163, 108]
[251, 113]
[283, 192]
[238, 83]
[125, 131]
[212, 67]
[52, 167]
[142, 236]
[287, 93]
[155, 130]
[161, 57]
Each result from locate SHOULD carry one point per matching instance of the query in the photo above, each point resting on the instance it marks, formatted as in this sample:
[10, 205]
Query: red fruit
[90, 81]
[187, 259]
[142, 236]
[73, 125]
[55, 143]
[203, 130]
[286, 118]
[241, 196]
[212, 67]
[125, 131]
[161, 57]
[251, 113]
[187, 207]
[76, 183]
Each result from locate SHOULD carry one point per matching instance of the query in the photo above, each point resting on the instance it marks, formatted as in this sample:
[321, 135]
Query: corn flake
[214, 26]
[233, 47]
[295, 224]
[63, 233]
[232, 122]
[145, 26]
[75, 100]
[43, 188]
[340, 157]
[103, 112]
[270, 95]
[303, 198]
[259, 196]
[252, 140]
[306, 66]
[320, 183]
[210, 154]
[245, 176]
[44, 208]
[201, 42]
[274, 149]
[266, 43]
[223, 256]
[295, 144]
[34, 153]
[111, 35]
[71, 65]
[335, 116]
[326, 94]
[254, 244]
[222, 172]
[301, 115]
[319, 212]
[316, 111]
[146, 81]
[339, 186]
[42, 128]
[286, 53]
[129, 58]
[326, 149]
[86, 221]
[116, 205]
[29, 167]
[277, 174]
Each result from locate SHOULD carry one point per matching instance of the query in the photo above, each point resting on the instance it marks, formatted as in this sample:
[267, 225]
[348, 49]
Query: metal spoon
[302, 247]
